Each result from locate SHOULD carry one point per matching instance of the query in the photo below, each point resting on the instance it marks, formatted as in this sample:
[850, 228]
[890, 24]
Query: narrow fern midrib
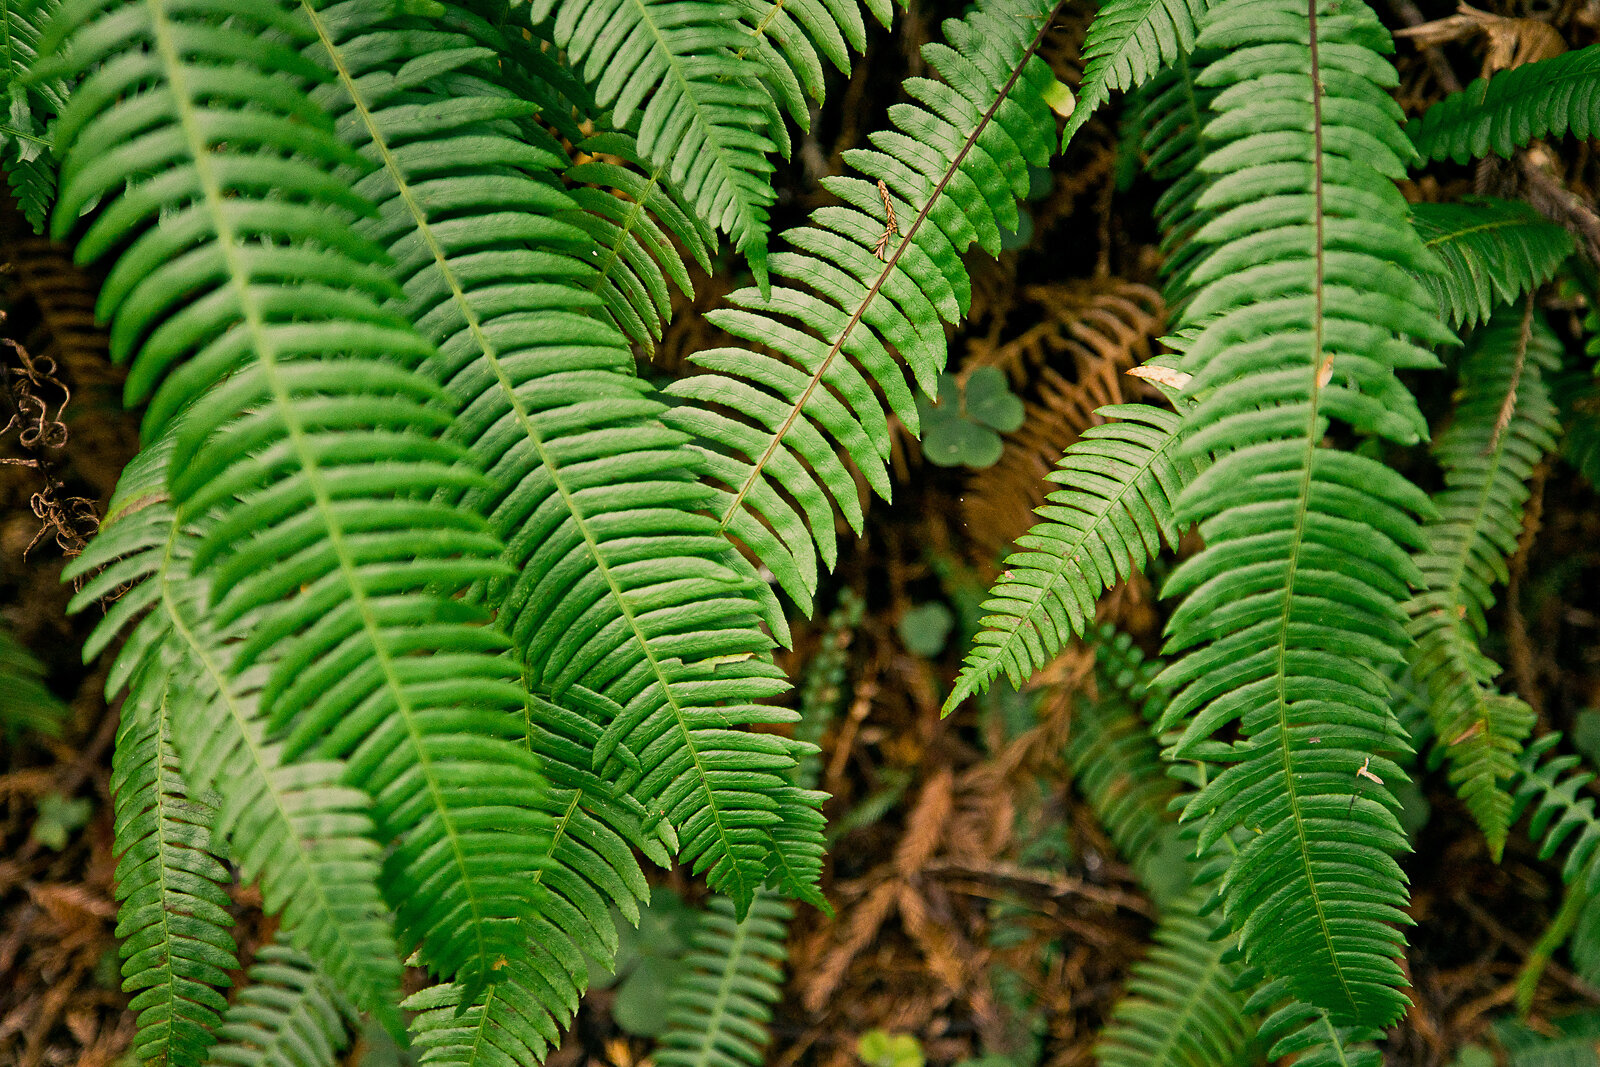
[469, 315]
[265, 350]
[1130, 486]
[1334, 1040]
[758, 469]
[1302, 505]
[323, 901]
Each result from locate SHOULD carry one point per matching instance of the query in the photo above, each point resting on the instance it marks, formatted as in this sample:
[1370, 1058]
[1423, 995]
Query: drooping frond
[1560, 808]
[1170, 109]
[1304, 306]
[733, 974]
[672, 73]
[288, 1016]
[26, 702]
[616, 587]
[1128, 41]
[24, 137]
[1493, 251]
[297, 829]
[308, 445]
[1180, 1008]
[951, 171]
[1113, 512]
[1505, 422]
[173, 921]
[1499, 114]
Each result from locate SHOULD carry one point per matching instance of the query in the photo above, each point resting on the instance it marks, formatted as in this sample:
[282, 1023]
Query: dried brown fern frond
[1073, 361]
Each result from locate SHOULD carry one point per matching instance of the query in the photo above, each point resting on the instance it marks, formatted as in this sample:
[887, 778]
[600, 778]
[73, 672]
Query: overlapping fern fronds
[953, 169]
[306, 836]
[173, 920]
[288, 1016]
[1303, 308]
[1127, 43]
[1493, 251]
[25, 144]
[1501, 113]
[1505, 422]
[621, 601]
[1113, 513]
[308, 445]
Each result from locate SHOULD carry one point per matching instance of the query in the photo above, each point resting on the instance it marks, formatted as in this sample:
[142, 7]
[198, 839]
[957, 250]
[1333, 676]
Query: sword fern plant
[436, 618]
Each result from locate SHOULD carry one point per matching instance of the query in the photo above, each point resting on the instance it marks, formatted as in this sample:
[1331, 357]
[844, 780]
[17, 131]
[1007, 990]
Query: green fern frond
[1493, 251]
[1128, 41]
[671, 72]
[614, 586]
[1573, 1044]
[637, 252]
[308, 443]
[953, 169]
[1293, 607]
[1180, 1008]
[733, 974]
[1505, 422]
[1502, 113]
[1171, 108]
[288, 1016]
[25, 145]
[173, 920]
[1113, 513]
[297, 828]
[1560, 807]
[26, 703]
[1308, 1034]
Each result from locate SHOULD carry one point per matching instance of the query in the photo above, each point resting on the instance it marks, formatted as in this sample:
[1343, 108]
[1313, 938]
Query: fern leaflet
[173, 922]
[1128, 41]
[1493, 251]
[1504, 112]
[1505, 422]
[1294, 603]
[288, 1016]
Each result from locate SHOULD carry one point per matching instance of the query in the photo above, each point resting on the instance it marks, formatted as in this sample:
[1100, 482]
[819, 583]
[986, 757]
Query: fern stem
[906, 234]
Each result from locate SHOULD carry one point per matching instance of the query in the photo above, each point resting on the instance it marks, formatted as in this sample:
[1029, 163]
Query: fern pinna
[308, 446]
[1504, 424]
[1301, 313]
[1499, 114]
[952, 172]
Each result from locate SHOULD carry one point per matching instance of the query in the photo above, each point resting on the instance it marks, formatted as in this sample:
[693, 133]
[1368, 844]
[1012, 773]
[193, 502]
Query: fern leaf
[244, 297]
[614, 585]
[288, 1016]
[670, 72]
[720, 1007]
[1128, 41]
[1171, 108]
[1180, 1009]
[953, 169]
[1499, 114]
[1505, 422]
[1113, 513]
[1293, 606]
[26, 703]
[1307, 1032]
[25, 144]
[173, 920]
[1493, 251]
[298, 829]
[1560, 807]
